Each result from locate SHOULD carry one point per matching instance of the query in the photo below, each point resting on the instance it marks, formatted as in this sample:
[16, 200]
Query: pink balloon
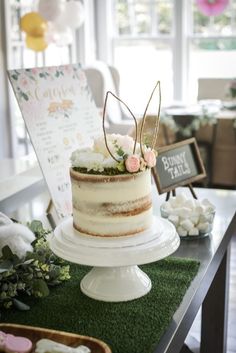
[212, 7]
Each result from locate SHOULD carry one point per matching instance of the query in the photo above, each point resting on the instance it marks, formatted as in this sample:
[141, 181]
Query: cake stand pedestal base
[115, 276]
[115, 284]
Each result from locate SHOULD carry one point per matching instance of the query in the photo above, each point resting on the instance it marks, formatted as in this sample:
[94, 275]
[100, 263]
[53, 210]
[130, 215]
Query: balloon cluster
[52, 23]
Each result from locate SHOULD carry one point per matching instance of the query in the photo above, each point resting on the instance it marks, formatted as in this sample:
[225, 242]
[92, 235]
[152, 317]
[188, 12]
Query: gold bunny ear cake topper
[114, 154]
[143, 153]
[157, 86]
[103, 123]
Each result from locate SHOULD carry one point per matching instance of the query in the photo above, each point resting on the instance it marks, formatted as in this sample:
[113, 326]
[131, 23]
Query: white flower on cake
[87, 159]
[125, 143]
[98, 159]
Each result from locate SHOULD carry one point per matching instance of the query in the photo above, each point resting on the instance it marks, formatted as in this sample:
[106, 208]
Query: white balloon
[73, 14]
[58, 34]
[51, 9]
[64, 38]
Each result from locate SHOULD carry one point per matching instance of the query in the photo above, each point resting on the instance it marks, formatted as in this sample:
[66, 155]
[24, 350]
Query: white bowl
[206, 219]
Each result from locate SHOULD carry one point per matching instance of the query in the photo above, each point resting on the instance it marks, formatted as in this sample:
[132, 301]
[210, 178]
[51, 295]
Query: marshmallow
[2, 340]
[183, 212]
[182, 232]
[189, 216]
[203, 226]
[166, 206]
[187, 225]
[194, 219]
[174, 219]
[180, 199]
[13, 344]
[206, 217]
[189, 204]
[45, 345]
[193, 232]
[172, 202]
[199, 210]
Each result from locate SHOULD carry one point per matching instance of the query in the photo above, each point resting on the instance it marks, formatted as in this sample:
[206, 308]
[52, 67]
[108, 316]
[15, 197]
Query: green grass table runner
[128, 327]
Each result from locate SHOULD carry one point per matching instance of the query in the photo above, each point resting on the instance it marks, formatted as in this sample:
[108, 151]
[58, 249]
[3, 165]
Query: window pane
[223, 24]
[122, 18]
[143, 17]
[164, 11]
[141, 65]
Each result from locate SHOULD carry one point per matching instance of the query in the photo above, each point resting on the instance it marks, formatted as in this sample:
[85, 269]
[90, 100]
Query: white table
[20, 179]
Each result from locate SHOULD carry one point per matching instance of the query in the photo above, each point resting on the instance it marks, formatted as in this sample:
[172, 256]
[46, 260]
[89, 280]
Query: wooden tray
[69, 339]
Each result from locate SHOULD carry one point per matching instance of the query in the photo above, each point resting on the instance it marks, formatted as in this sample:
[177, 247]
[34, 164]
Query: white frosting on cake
[111, 205]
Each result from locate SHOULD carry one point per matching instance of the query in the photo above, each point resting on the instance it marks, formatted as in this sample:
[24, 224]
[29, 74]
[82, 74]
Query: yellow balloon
[33, 24]
[36, 43]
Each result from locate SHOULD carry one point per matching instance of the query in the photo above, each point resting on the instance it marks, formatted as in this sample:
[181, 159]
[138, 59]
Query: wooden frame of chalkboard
[178, 165]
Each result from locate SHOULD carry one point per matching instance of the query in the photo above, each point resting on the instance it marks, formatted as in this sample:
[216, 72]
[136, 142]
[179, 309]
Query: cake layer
[112, 189]
[111, 205]
[112, 226]
[128, 208]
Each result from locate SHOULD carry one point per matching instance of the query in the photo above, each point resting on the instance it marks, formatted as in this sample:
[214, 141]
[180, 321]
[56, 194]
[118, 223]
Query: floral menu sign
[60, 116]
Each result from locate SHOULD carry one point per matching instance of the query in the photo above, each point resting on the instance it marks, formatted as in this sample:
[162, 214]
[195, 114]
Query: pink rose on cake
[132, 163]
[150, 158]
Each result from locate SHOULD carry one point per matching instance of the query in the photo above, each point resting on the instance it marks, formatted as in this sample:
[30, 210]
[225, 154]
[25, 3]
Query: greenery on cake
[121, 157]
[106, 171]
[31, 275]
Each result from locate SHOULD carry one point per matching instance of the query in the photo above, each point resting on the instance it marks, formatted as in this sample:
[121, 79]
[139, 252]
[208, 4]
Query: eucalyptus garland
[32, 275]
[204, 118]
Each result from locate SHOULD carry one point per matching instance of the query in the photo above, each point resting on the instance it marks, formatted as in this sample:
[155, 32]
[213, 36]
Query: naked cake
[111, 190]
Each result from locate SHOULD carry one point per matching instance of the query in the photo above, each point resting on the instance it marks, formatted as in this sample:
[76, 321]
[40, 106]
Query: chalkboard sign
[177, 165]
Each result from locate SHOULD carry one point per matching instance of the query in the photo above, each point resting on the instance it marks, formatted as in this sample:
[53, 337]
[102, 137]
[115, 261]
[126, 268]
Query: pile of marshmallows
[191, 217]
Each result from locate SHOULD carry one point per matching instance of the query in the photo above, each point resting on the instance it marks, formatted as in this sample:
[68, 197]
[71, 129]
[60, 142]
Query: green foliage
[204, 118]
[107, 171]
[134, 326]
[31, 275]
[216, 44]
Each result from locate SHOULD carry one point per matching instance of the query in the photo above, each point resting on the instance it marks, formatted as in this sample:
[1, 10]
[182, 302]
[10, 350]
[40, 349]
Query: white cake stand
[115, 276]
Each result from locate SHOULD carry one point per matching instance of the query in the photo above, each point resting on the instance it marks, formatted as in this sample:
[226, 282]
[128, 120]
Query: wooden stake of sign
[177, 165]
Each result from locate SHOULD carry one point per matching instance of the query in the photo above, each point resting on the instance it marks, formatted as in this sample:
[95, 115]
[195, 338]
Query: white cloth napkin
[15, 235]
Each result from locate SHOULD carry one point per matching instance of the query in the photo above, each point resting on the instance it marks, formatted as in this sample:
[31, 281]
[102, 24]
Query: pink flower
[34, 70]
[132, 163]
[24, 82]
[150, 158]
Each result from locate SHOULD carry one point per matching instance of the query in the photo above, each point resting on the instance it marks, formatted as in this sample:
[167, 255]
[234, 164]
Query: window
[212, 45]
[143, 49]
[173, 42]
